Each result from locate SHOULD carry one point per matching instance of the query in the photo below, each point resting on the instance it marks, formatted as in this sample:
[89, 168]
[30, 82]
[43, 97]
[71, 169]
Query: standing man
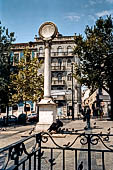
[88, 112]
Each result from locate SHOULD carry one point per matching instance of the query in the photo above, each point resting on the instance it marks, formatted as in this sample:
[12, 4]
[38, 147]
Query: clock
[48, 31]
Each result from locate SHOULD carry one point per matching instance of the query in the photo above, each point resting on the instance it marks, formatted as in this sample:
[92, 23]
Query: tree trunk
[25, 108]
[7, 115]
[111, 96]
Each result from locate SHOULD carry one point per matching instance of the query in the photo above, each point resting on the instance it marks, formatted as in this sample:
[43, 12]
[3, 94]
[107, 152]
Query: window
[69, 77]
[54, 60]
[27, 107]
[60, 88]
[69, 49]
[64, 61]
[40, 50]
[59, 76]
[33, 54]
[60, 62]
[16, 58]
[69, 88]
[59, 50]
[53, 88]
[15, 107]
[69, 62]
[21, 54]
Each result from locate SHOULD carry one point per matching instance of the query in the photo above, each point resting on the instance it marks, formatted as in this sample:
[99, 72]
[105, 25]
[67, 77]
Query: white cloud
[73, 17]
[92, 2]
[104, 13]
[110, 1]
[95, 2]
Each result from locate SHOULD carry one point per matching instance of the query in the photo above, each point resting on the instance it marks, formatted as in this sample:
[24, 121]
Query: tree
[6, 40]
[27, 83]
[95, 53]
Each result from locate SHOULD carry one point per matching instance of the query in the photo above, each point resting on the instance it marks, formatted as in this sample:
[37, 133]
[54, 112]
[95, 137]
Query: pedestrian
[84, 114]
[80, 167]
[88, 112]
[101, 114]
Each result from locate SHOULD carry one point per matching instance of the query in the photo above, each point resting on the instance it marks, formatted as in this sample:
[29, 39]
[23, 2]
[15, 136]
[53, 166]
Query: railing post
[89, 151]
[63, 159]
[51, 159]
[16, 159]
[38, 140]
[76, 159]
[103, 161]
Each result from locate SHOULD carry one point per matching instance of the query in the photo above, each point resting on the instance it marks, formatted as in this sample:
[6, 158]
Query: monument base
[47, 114]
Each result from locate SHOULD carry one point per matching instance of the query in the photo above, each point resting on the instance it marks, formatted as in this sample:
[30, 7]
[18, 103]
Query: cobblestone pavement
[101, 126]
[13, 134]
[98, 126]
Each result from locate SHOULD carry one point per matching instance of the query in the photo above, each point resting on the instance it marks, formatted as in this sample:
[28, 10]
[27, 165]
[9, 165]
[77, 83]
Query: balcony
[56, 54]
[58, 82]
[40, 54]
[58, 68]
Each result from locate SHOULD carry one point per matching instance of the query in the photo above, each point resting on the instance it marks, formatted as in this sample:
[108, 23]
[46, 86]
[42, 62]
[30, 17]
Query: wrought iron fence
[66, 150]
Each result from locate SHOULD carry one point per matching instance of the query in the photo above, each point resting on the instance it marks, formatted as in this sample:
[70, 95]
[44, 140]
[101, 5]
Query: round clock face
[47, 30]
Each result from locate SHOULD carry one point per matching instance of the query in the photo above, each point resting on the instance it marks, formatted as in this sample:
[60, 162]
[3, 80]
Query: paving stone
[101, 126]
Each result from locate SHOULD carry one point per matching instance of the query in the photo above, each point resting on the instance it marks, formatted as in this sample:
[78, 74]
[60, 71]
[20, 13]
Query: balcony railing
[58, 68]
[55, 54]
[41, 151]
[58, 82]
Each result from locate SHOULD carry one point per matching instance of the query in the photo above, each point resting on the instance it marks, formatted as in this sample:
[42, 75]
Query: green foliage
[27, 84]
[5, 50]
[95, 53]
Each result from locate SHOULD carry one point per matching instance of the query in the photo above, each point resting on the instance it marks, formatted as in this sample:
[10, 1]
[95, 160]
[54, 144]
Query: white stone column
[47, 107]
[47, 71]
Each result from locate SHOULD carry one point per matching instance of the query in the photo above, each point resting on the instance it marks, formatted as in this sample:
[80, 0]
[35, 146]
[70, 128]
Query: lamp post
[72, 93]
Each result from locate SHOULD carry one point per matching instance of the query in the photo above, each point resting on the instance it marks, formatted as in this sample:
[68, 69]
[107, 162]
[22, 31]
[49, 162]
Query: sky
[24, 17]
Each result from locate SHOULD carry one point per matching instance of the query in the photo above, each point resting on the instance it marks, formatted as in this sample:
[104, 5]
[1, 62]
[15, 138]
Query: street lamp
[72, 93]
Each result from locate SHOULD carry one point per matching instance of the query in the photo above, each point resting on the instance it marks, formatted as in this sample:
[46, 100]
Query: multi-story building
[62, 59]
[99, 99]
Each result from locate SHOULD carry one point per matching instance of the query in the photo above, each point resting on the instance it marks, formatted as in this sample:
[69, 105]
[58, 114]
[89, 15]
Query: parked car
[32, 117]
[11, 120]
[1, 121]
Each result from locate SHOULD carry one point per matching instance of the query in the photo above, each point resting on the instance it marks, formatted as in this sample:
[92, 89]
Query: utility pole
[72, 93]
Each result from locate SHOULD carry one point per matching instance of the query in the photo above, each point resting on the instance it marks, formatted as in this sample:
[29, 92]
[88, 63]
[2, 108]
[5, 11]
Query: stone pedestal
[47, 114]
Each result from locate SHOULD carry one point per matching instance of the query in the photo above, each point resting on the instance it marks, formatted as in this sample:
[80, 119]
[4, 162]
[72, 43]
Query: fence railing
[66, 150]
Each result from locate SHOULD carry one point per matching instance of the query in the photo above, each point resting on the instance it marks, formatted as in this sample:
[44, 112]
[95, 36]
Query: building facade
[62, 83]
[99, 100]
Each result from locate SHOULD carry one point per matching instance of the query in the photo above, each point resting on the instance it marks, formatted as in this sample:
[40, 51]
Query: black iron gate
[55, 152]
